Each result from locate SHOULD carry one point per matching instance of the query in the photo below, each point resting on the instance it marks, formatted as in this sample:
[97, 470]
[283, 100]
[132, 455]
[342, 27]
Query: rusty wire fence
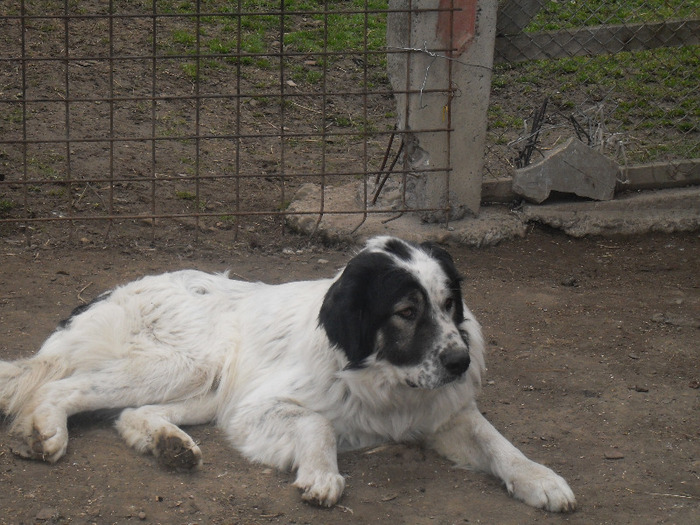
[186, 116]
[622, 76]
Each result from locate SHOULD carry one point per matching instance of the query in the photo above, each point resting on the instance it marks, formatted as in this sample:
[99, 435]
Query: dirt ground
[594, 370]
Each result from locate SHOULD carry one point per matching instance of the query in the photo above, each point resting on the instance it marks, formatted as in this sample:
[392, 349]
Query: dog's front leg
[471, 441]
[286, 435]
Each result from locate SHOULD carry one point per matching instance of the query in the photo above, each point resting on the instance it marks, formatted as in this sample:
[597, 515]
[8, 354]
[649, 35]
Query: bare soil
[594, 370]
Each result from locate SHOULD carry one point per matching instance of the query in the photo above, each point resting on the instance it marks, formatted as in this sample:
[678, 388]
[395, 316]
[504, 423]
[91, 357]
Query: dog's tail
[20, 379]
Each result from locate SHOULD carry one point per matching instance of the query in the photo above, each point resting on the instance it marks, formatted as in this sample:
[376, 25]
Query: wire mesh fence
[622, 76]
[200, 113]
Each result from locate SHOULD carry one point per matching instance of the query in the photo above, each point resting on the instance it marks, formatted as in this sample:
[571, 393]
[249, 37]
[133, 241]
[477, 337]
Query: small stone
[47, 513]
[142, 515]
[614, 454]
[570, 281]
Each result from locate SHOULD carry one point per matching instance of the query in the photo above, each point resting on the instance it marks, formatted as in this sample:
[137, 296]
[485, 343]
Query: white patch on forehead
[378, 243]
[429, 273]
[425, 268]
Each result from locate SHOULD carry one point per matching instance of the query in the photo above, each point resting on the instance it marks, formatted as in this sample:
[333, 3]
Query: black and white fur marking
[386, 350]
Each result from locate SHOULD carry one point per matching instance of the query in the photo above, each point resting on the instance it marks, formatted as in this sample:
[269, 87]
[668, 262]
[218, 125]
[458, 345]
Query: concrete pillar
[463, 78]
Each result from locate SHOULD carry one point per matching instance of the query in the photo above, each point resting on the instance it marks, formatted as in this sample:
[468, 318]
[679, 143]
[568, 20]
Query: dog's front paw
[320, 488]
[540, 487]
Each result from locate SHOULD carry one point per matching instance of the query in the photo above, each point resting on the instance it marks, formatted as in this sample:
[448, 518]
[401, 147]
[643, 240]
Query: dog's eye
[408, 313]
[449, 304]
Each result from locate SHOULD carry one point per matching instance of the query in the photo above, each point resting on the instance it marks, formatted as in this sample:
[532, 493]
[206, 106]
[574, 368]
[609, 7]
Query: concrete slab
[493, 225]
[635, 213]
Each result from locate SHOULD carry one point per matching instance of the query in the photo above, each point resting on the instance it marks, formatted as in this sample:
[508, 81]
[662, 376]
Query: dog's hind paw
[48, 447]
[177, 452]
[45, 434]
[540, 487]
[320, 488]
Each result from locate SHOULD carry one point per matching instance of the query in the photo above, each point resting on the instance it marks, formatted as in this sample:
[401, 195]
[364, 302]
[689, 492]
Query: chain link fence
[622, 76]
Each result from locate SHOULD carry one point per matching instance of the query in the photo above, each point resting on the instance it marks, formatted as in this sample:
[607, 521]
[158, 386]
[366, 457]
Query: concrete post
[463, 78]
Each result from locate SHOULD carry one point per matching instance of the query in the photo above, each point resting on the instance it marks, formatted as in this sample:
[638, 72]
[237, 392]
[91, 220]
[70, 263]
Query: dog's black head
[400, 304]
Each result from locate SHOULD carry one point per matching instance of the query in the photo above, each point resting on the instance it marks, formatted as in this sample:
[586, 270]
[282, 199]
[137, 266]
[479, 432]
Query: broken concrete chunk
[572, 168]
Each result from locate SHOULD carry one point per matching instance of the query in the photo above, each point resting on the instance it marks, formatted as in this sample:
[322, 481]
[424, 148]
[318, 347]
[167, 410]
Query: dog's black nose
[455, 362]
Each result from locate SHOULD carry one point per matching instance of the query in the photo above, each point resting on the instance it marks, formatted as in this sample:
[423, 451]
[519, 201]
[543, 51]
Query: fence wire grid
[197, 112]
[196, 115]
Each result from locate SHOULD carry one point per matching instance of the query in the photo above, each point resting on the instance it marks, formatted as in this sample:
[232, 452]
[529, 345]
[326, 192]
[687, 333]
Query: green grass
[45, 166]
[261, 26]
[6, 206]
[568, 14]
[186, 195]
[14, 115]
[652, 93]
[500, 119]
[640, 81]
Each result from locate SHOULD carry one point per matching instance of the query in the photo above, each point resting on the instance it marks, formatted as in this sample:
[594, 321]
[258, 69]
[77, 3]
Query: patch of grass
[45, 166]
[14, 115]
[228, 219]
[645, 90]
[258, 31]
[189, 196]
[342, 122]
[6, 206]
[186, 195]
[184, 38]
[499, 119]
[557, 14]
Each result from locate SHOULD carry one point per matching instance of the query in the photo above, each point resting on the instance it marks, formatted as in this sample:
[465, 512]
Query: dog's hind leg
[42, 422]
[154, 429]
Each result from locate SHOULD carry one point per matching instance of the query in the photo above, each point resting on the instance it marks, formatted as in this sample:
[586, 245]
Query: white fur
[189, 348]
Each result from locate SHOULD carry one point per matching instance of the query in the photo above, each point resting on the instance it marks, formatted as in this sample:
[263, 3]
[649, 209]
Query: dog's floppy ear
[352, 308]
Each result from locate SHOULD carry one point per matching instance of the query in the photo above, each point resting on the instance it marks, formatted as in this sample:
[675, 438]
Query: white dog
[387, 350]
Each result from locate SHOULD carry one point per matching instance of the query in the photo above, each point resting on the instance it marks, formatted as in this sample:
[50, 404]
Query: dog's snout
[455, 362]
